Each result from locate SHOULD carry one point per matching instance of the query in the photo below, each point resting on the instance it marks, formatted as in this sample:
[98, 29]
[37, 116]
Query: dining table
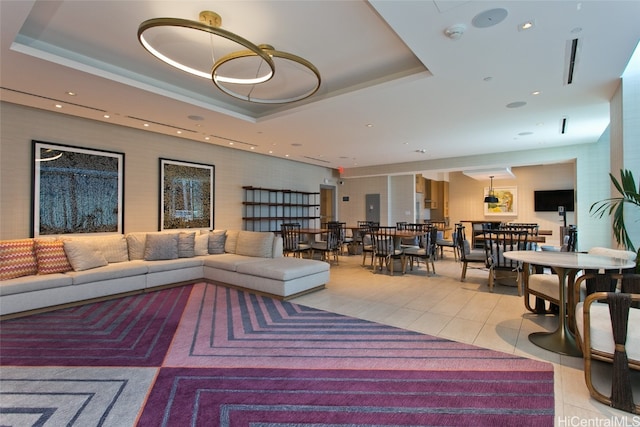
[566, 265]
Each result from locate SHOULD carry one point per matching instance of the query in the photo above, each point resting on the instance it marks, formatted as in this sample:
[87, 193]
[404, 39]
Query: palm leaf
[614, 206]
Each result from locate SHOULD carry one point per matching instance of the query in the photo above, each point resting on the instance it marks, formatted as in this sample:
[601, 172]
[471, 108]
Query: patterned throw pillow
[51, 257]
[17, 259]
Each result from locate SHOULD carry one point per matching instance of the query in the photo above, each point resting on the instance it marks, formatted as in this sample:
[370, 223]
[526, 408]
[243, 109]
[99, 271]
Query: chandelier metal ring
[212, 27]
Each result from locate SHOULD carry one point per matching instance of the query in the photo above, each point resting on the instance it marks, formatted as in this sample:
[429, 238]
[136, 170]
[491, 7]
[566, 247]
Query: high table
[566, 265]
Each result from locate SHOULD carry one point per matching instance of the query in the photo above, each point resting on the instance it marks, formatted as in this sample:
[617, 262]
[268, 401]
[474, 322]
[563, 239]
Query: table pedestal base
[560, 341]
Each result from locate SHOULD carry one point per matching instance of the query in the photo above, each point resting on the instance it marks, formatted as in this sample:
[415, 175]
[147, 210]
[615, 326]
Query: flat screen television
[549, 200]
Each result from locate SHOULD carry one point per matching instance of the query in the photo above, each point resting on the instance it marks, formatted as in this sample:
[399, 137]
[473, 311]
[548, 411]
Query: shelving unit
[265, 209]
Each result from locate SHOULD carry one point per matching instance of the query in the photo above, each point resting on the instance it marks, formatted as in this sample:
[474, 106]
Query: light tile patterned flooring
[442, 305]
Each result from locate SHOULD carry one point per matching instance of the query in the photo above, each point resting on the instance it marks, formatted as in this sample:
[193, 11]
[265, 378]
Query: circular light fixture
[296, 79]
[209, 23]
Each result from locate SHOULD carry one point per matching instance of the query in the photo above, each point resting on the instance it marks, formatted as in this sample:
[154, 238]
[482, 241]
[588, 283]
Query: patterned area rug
[211, 355]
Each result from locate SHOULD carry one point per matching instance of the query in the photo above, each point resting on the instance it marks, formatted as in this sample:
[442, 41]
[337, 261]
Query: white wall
[233, 168]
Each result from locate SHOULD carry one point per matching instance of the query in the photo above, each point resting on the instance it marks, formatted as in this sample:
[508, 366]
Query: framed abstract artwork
[186, 195]
[76, 190]
[507, 201]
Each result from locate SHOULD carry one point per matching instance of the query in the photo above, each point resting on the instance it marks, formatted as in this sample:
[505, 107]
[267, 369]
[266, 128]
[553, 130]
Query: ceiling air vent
[563, 125]
[572, 50]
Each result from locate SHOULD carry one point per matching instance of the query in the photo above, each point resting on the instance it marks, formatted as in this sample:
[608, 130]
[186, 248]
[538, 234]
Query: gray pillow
[186, 245]
[161, 246]
[216, 241]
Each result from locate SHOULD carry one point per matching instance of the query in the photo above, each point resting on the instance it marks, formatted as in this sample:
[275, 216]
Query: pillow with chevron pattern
[17, 258]
[51, 257]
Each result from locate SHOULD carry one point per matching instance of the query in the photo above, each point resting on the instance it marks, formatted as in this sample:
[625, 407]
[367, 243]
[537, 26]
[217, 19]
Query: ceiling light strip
[161, 124]
[53, 99]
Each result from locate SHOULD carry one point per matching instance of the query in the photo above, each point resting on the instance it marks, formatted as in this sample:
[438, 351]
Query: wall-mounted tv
[549, 200]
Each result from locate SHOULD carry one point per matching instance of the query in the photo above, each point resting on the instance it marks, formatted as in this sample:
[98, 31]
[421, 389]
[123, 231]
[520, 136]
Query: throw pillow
[216, 241]
[114, 248]
[161, 246]
[17, 259]
[255, 243]
[136, 243]
[51, 257]
[201, 246]
[231, 242]
[186, 245]
[83, 255]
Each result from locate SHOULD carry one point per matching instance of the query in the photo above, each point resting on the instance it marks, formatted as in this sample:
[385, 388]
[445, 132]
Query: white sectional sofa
[43, 273]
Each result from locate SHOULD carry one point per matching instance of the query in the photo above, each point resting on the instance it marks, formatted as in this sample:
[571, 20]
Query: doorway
[327, 204]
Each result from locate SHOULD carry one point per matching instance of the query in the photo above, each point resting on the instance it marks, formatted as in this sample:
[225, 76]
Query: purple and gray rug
[211, 355]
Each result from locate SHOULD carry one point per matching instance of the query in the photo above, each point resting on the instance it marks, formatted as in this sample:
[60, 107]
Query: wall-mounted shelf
[265, 209]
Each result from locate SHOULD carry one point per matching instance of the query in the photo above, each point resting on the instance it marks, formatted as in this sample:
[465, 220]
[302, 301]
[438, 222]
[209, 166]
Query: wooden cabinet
[265, 209]
[420, 183]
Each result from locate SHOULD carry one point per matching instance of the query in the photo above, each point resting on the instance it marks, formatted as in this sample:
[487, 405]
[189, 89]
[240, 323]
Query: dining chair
[541, 283]
[291, 240]
[425, 250]
[452, 243]
[367, 243]
[468, 255]
[606, 330]
[497, 242]
[329, 243]
[386, 246]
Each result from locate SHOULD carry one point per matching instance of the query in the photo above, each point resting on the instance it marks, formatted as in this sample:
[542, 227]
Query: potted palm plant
[614, 206]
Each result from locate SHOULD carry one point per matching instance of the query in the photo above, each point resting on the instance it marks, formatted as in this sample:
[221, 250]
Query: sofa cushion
[114, 248]
[255, 243]
[228, 262]
[285, 268]
[216, 241]
[83, 255]
[231, 242]
[186, 244]
[108, 272]
[17, 258]
[201, 246]
[173, 264]
[34, 283]
[161, 246]
[51, 257]
[136, 243]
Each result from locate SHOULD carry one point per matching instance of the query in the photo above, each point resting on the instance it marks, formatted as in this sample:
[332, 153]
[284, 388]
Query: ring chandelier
[248, 74]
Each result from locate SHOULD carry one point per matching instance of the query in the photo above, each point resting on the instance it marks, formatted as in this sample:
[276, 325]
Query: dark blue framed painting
[76, 190]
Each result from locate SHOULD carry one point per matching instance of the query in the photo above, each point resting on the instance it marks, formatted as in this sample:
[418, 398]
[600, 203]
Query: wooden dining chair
[497, 242]
[606, 330]
[387, 248]
[292, 243]
[425, 250]
[467, 255]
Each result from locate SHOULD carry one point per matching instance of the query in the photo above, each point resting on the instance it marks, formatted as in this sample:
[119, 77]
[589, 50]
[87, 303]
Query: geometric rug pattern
[211, 355]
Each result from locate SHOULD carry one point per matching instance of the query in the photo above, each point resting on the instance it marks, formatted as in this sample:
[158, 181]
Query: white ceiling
[387, 64]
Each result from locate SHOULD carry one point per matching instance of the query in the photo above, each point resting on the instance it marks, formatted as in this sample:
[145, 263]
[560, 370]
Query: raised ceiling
[395, 88]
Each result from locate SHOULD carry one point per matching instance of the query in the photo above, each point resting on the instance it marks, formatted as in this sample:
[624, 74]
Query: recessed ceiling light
[206, 138]
[253, 148]
[70, 93]
[231, 143]
[527, 25]
[146, 125]
[369, 125]
[58, 106]
[536, 92]
[270, 152]
[421, 150]
[106, 116]
[179, 132]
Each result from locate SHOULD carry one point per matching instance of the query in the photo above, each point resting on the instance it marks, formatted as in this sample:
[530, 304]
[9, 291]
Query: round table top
[570, 260]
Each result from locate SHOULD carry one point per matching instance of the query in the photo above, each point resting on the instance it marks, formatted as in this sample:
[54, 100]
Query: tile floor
[442, 305]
